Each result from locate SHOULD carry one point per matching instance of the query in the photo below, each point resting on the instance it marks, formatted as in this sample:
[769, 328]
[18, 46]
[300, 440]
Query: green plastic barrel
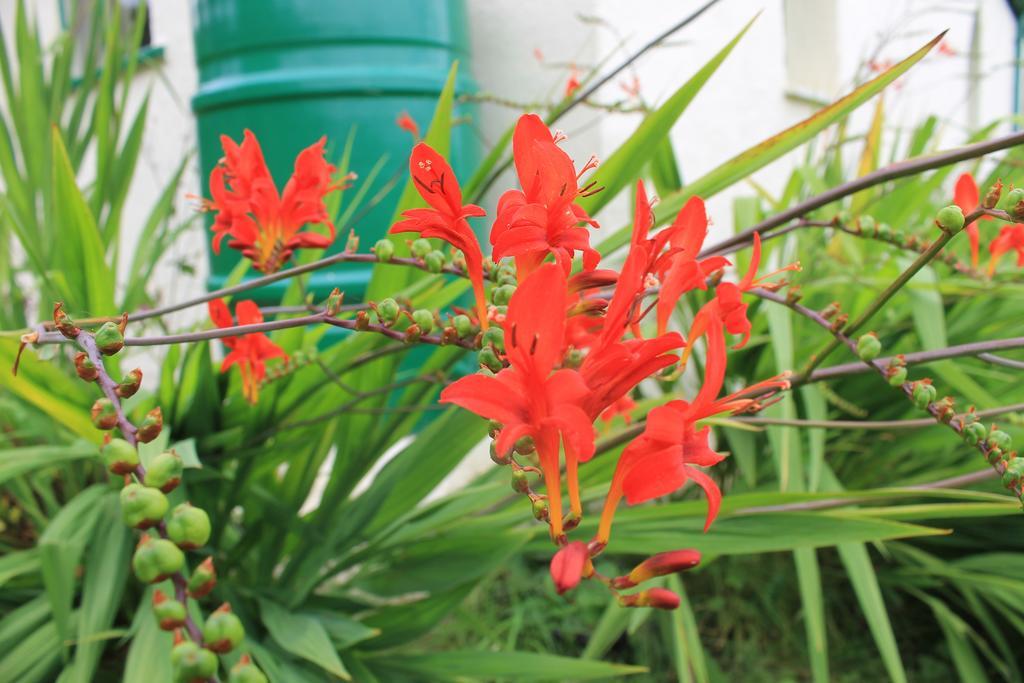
[294, 70]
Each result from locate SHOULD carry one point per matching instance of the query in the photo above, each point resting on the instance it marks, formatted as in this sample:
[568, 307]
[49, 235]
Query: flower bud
[924, 394]
[1015, 202]
[974, 433]
[896, 376]
[203, 579]
[994, 456]
[992, 196]
[85, 367]
[525, 445]
[868, 347]
[388, 311]
[867, 226]
[156, 559]
[63, 322]
[421, 247]
[500, 296]
[335, 300]
[1016, 465]
[568, 564]
[1011, 479]
[494, 336]
[413, 334]
[434, 261]
[423, 319]
[463, 325]
[540, 509]
[129, 384]
[950, 219]
[519, 482]
[119, 456]
[384, 249]
[193, 663]
[188, 527]
[999, 439]
[945, 409]
[246, 672]
[500, 458]
[362, 321]
[109, 339]
[661, 564]
[352, 241]
[164, 472]
[104, 414]
[659, 598]
[489, 359]
[884, 232]
[141, 506]
[170, 614]
[223, 630]
[150, 426]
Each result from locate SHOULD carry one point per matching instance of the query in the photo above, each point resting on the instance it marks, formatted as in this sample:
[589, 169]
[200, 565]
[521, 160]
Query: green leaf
[623, 166]
[15, 462]
[303, 636]
[813, 602]
[488, 666]
[149, 656]
[760, 155]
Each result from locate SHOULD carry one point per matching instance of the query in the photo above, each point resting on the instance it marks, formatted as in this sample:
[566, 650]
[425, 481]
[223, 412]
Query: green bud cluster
[924, 394]
[868, 347]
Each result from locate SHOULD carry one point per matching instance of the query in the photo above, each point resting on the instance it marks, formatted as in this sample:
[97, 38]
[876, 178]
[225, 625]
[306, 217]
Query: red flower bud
[151, 425]
[63, 322]
[85, 368]
[568, 564]
[659, 565]
[130, 384]
[659, 598]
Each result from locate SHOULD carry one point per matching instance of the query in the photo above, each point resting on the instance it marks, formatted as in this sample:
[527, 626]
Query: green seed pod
[489, 359]
[150, 426]
[434, 261]
[1013, 202]
[384, 249]
[974, 433]
[203, 579]
[130, 384]
[119, 456]
[525, 445]
[867, 226]
[994, 456]
[188, 526]
[63, 322]
[508, 281]
[1016, 465]
[104, 414]
[246, 672]
[193, 663]
[884, 232]
[498, 458]
[924, 394]
[519, 482]
[170, 614]
[950, 219]
[109, 339]
[164, 472]
[868, 347]
[85, 368]
[141, 506]
[156, 559]
[494, 336]
[1011, 479]
[424, 319]
[999, 439]
[413, 333]
[540, 509]
[896, 376]
[388, 310]
[223, 630]
[500, 296]
[421, 248]
[463, 325]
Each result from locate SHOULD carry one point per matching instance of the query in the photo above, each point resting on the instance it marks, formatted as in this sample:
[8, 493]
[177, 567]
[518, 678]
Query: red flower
[406, 122]
[446, 217]
[530, 398]
[569, 565]
[543, 217]
[573, 84]
[264, 225]
[1011, 238]
[249, 351]
[967, 197]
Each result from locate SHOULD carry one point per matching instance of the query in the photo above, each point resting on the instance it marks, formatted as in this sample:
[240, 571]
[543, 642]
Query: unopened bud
[499, 458]
[193, 663]
[974, 433]
[109, 339]
[992, 196]
[424, 319]
[945, 409]
[335, 301]
[156, 559]
[999, 439]
[150, 426]
[463, 325]
[520, 484]
[246, 672]
[568, 565]
[494, 336]
[421, 247]
[203, 579]
[85, 367]
[868, 347]
[104, 414]
[1015, 202]
[413, 334]
[63, 322]
[388, 310]
[896, 376]
[188, 526]
[119, 456]
[525, 445]
[352, 241]
[659, 598]
[362, 321]
[540, 509]
[489, 359]
[170, 614]
[924, 394]
[384, 249]
[500, 296]
[129, 384]
[223, 630]
[142, 507]
[661, 564]
[950, 219]
[867, 226]
[434, 261]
